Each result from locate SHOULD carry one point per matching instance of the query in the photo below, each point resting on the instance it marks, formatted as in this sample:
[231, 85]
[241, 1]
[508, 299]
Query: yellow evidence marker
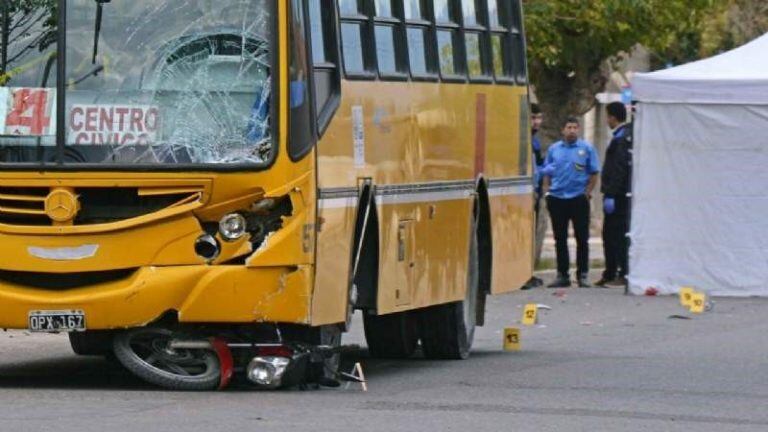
[685, 296]
[511, 339]
[698, 302]
[529, 314]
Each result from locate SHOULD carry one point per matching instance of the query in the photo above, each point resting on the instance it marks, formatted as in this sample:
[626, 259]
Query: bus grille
[63, 281]
[25, 206]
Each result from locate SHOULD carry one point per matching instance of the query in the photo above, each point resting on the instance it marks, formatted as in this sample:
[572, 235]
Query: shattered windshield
[161, 82]
[27, 79]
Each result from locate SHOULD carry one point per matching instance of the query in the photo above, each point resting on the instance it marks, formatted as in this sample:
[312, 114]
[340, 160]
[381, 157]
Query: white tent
[700, 179]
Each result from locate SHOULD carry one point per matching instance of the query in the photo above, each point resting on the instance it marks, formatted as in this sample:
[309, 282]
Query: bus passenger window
[348, 7]
[352, 47]
[474, 55]
[325, 60]
[442, 11]
[518, 45]
[418, 37]
[498, 48]
[384, 8]
[412, 9]
[518, 49]
[493, 14]
[388, 35]
[499, 24]
[356, 40]
[385, 49]
[417, 52]
[475, 40]
[469, 11]
[317, 30]
[446, 52]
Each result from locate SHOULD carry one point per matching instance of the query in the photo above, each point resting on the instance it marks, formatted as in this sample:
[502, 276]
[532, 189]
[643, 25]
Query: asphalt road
[599, 361]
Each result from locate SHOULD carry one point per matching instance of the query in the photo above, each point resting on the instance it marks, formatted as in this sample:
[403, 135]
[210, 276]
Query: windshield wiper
[97, 30]
[93, 72]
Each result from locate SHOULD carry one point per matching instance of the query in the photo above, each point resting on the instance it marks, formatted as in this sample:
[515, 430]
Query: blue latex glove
[609, 205]
[548, 170]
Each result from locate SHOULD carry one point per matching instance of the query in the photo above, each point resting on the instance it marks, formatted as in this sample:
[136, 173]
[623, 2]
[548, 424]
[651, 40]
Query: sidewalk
[548, 255]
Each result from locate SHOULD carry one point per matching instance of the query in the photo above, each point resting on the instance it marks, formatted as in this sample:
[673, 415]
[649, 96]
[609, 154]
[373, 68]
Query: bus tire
[447, 330]
[145, 353]
[392, 336]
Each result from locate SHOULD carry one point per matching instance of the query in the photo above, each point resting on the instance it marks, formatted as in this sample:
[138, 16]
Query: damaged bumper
[200, 293]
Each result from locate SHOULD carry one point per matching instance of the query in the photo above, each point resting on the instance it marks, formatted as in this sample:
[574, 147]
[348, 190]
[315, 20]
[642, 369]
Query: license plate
[56, 321]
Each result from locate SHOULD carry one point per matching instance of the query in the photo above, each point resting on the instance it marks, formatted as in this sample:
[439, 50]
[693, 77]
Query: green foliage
[732, 23]
[28, 26]
[567, 34]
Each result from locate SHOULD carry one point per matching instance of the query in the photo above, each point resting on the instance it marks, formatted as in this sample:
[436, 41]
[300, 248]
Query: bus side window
[449, 49]
[518, 43]
[301, 133]
[357, 46]
[475, 40]
[390, 40]
[419, 36]
[325, 60]
[502, 49]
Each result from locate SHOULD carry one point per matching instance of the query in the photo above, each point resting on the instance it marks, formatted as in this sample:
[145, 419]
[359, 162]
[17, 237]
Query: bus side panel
[504, 139]
[448, 244]
[507, 166]
[512, 230]
[334, 253]
[399, 260]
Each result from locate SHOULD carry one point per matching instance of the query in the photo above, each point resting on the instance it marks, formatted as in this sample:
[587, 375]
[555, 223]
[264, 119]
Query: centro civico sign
[28, 111]
[113, 124]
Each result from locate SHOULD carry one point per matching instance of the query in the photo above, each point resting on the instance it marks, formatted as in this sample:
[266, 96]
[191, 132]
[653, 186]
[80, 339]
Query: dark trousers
[563, 211]
[615, 241]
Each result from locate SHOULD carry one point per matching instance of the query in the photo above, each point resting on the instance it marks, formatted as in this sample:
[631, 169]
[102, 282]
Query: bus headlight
[232, 226]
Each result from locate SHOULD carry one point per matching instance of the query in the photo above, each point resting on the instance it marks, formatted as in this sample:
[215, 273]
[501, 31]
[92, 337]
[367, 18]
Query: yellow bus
[208, 190]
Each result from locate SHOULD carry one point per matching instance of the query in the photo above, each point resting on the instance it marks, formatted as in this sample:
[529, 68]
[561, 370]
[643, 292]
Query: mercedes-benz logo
[61, 205]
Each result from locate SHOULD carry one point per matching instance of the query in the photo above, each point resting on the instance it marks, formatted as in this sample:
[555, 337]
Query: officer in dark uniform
[615, 180]
[537, 118]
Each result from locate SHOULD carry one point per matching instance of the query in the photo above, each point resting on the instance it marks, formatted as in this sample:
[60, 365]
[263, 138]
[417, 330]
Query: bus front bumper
[201, 294]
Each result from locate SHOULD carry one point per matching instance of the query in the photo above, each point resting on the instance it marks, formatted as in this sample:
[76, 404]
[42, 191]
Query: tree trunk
[562, 94]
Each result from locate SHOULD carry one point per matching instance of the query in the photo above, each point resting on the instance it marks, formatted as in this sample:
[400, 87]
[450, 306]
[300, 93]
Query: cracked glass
[27, 80]
[159, 82]
[148, 82]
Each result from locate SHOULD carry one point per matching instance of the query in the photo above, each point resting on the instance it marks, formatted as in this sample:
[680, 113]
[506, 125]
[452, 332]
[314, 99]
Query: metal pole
[61, 81]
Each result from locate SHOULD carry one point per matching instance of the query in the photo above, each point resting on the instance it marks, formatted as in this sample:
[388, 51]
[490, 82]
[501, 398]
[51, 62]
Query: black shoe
[560, 282]
[618, 282]
[603, 282]
[532, 283]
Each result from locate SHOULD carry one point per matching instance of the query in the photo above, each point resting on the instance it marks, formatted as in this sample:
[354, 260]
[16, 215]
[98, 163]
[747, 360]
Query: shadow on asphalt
[98, 373]
[73, 372]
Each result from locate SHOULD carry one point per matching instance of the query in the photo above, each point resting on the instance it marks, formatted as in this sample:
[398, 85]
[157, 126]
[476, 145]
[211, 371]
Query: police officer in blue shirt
[571, 174]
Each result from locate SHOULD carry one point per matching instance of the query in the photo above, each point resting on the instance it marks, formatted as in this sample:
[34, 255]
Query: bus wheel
[145, 352]
[391, 336]
[447, 330]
